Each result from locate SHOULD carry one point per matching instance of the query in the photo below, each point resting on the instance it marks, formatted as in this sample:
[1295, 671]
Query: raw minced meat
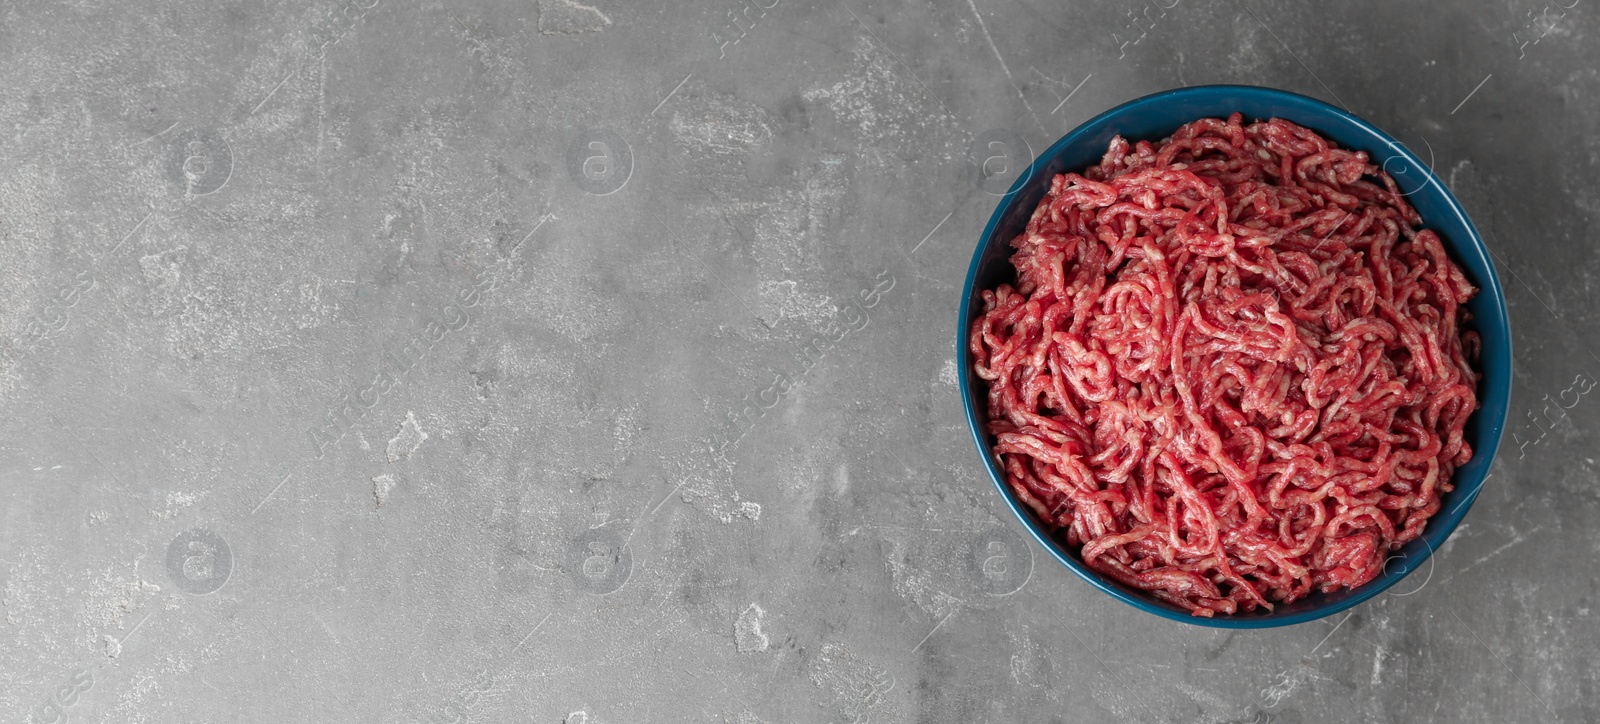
[1232, 370]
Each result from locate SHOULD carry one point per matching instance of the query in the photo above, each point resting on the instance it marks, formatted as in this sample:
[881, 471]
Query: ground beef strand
[1232, 370]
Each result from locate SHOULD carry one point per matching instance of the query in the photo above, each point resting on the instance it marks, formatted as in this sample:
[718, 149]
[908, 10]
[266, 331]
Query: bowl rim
[1444, 521]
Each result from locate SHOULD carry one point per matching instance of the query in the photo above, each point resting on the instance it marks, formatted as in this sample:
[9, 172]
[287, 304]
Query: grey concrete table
[384, 361]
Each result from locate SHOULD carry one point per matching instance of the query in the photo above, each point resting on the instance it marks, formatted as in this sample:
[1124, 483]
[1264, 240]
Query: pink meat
[1232, 370]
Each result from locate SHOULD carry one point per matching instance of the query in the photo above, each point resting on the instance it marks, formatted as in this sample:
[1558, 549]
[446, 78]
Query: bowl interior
[1157, 116]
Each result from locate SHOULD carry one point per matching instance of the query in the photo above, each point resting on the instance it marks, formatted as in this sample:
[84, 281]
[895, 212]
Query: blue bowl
[1155, 117]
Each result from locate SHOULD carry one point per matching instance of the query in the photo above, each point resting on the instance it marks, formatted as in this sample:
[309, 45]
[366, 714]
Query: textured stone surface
[370, 361]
